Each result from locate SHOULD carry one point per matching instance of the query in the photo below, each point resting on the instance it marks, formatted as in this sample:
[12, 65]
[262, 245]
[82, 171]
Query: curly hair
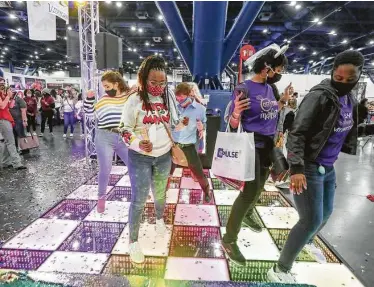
[269, 60]
[150, 63]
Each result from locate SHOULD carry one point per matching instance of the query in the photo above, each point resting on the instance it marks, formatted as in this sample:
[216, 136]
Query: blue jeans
[107, 143]
[314, 206]
[69, 120]
[147, 172]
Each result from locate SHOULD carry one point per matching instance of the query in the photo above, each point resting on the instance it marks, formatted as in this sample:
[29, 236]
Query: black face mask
[111, 93]
[276, 78]
[342, 88]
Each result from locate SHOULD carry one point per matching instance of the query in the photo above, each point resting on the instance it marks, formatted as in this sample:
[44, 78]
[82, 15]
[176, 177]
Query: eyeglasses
[160, 84]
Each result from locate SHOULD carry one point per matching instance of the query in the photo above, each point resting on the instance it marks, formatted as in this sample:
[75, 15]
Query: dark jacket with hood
[313, 125]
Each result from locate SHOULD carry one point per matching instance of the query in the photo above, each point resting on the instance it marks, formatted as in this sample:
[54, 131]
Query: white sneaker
[28, 134]
[280, 277]
[52, 134]
[160, 227]
[316, 253]
[136, 254]
[41, 135]
[64, 136]
[71, 135]
[34, 133]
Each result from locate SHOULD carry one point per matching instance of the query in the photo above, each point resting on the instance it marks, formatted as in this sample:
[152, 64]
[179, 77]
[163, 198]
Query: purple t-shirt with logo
[262, 116]
[329, 153]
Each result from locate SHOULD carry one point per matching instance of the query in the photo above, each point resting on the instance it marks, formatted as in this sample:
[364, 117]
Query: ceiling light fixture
[118, 4]
[36, 52]
[314, 53]
[133, 28]
[371, 42]
[333, 32]
[298, 6]
[134, 50]
[322, 57]
[108, 2]
[65, 38]
[156, 53]
[129, 49]
[311, 61]
[140, 57]
[351, 48]
[13, 38]
[345, 41]
[265, 31]
[36, 57]
[69, 28]
[48, 49]
[12, 16]
[160, 17]
[19, 29]
[319, 23]
[169, 37]
[292, 3]
[295, 61]
[6, 48]
[175, 49]
[140, 30]
[316, 20]
[147, 43]
[178, 58]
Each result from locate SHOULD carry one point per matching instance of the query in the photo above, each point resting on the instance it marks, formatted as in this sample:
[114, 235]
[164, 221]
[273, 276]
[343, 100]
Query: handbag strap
[166, 128]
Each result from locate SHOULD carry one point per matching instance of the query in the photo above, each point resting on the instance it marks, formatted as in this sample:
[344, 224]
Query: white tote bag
[234, 155]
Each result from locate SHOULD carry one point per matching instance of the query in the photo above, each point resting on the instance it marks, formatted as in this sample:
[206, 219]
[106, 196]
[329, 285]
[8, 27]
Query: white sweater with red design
[136, 121]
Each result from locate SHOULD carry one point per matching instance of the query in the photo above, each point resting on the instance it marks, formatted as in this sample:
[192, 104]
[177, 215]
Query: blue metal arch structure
[208, 51]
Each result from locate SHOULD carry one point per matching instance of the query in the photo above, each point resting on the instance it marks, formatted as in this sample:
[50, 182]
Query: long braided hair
[151, 63]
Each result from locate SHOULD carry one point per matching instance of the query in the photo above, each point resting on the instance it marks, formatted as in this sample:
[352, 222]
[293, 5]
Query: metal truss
[88, 15]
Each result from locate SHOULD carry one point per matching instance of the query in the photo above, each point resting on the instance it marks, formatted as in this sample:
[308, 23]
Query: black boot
[233, 252]
[252, 223]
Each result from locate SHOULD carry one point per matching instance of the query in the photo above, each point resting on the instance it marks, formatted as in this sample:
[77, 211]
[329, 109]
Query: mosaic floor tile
[269, 187]
[178, 172]
[219, 185]
[149, 214]
[256, 246]
[272, 199]
[278, 217]
[87, 192]
[189, 183]
[205, 269]
[253, 271]
[113, 179]
[174, 182]
[71, 209]
[225, 197]
[324, 275]
[193, 196]
[75, 262]
[187, 173]
[120, 193]
[280, 236]
[115, 211]
[121, 265]
[119, 169]
[196, 215]
[43, 234]
[150, 242]
[124, 181]
[203, 242]
[97, 237]
[171, 196]
[22, 259]
[224, 213]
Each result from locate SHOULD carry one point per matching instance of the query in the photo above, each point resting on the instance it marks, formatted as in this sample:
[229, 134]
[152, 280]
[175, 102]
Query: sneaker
[233, 252]
[41, 135]
[71, 135]
[136, 254]
[252, 223]
[64, 136]
[277, 276]
[160, 227]
[316, 253]
[34, 133]
[28, 134]
[52, 134]
[101, 205]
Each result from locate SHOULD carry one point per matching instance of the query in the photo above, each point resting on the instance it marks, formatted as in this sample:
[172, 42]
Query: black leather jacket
[313, 125]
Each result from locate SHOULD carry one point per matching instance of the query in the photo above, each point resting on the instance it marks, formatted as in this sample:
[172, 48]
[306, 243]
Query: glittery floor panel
[73, 238]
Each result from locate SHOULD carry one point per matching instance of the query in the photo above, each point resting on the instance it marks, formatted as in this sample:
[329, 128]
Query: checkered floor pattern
[73, 238]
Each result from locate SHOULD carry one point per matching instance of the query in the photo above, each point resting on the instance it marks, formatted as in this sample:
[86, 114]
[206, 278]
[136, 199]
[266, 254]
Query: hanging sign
[59, 9]
[42, 25]
[246, 52]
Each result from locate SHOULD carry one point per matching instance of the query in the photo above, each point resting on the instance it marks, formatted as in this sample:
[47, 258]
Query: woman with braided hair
[148, 112]
[324, 126]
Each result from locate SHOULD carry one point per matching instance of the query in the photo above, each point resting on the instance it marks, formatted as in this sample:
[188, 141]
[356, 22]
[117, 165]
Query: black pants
[31, 122]
[47, 115]
[194, 164]
[247, 199]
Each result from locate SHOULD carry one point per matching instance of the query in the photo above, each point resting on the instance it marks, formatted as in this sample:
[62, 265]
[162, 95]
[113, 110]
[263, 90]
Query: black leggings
[47, 115]
[246, 201]
[31, 122]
